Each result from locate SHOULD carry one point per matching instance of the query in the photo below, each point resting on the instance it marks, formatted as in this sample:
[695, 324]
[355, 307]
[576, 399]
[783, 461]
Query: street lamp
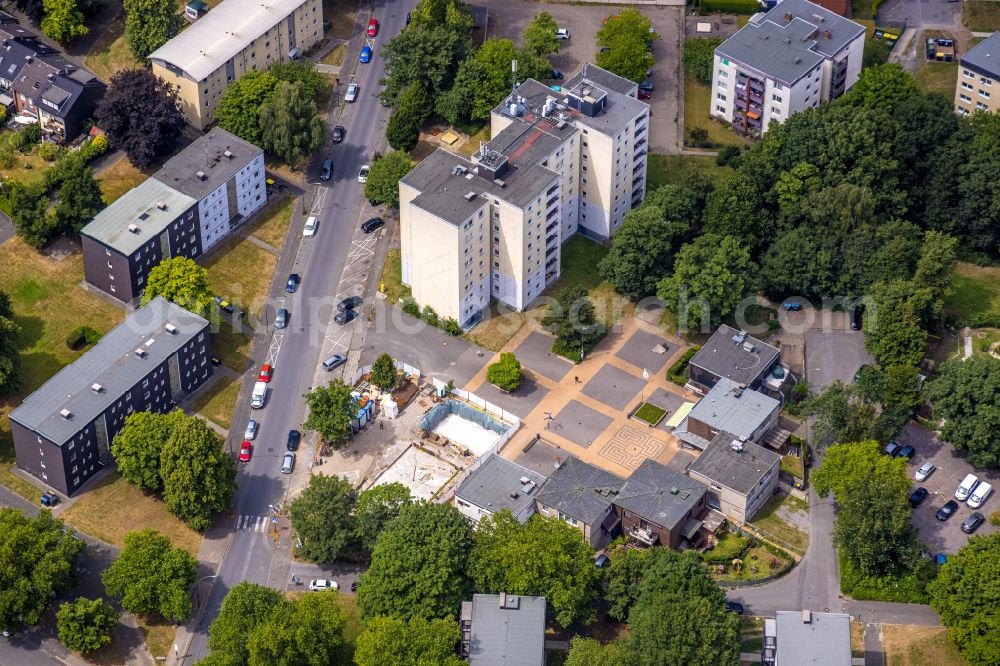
[197, 594]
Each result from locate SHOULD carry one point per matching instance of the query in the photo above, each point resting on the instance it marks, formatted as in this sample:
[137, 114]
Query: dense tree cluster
[10, 358]
[182, 281]
[383, 178]
[573, 320]
[149, 24]
[141, 115]
[966, 399]
[151, 576]
[625, 40]
[332, 409]
[85, 625]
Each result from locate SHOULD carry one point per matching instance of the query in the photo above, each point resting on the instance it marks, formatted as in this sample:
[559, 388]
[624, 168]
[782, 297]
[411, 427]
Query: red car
[245, 451]
[372, 27]
[265, 373]
[644, 94]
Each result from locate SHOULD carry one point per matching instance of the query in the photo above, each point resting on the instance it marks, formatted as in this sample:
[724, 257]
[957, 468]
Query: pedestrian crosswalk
[252, 524]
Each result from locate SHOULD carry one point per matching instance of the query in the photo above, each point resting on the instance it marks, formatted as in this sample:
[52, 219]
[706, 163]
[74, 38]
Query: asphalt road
[294, 351]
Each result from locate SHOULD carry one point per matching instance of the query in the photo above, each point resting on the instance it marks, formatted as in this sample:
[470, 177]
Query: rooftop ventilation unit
[514, 494]
[458, 170]
[736, 446]
[523, 480]
[162, 205]
[499, 183]
[229, 154]
[66, 414]
[133, 228]
[748, 346]
[200, 175]
[171, 329]
[141, 353]
[469, 196]
[96, 388]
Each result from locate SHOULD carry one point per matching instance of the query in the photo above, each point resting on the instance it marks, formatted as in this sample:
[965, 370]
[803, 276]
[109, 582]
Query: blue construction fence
[439, 413]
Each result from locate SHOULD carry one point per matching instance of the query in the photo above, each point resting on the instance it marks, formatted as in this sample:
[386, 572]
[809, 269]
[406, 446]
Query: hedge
[909, 588]
[82, 336]
[678, 372]
[729, 6]
[985, 320]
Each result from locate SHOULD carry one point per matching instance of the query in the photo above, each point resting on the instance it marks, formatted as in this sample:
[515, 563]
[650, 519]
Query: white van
[966, 487]
[257, 397]
[979, 495]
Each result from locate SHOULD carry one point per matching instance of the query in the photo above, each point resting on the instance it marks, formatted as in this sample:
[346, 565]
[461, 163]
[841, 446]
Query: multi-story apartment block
[192, 203]
[790, 59]
[38, 82]
[63, 431]
[978, 70]
[491, 226]
[236, 37]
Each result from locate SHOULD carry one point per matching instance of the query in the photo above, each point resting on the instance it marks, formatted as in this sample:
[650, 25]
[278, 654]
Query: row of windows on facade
[982, 79]
[982, 93]
[979, 105]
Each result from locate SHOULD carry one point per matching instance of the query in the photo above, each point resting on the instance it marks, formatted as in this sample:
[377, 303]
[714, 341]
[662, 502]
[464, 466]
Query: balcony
[553, 190]
[550, 240]
[552, 227]
[549, 252]
[640, 143]
[551, 202]
[638, 155]
[637, 181]
[554, 213]
[551, 262]
[643, 535]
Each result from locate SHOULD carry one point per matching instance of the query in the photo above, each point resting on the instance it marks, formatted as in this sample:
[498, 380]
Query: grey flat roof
[443, 193]
[824, 641]
[138, 206]
[739, 411]
[507, 636]
[787, 50]
[208, 155]
[738, 470]
[531, 138]
[723, 356]
[984, 57]
[580, 490]
[491, 484]
[603, 78]
[650, 493]
[113, 364]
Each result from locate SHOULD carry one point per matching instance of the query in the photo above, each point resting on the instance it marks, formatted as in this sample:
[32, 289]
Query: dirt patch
[905, 645]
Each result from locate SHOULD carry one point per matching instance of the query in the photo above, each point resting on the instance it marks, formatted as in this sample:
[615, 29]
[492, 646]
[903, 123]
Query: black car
[857, 317]
[345, 316]
[216, 361]
[905, 452]
[49, 498]
[293, 439]
[918, 495]
[734, 607]
[556, 75]
[945, 512]
[349, 303]
[972, 523]
[338, 133]
[371, 225]
[646, 85]
[293, 283]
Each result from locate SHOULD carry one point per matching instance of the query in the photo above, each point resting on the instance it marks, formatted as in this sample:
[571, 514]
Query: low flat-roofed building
[503, 630]
[741, 476]
[806, 638]
[732, 354]
[745, 413]
[498, 484]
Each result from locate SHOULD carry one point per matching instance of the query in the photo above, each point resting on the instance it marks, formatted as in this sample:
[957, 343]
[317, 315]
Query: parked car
[312, 224]
[345, 316]
[334, 362]
[891, 448]
[366, 54]
[562, 33]
[352, 92]
[734, 607]
[792, 307]
[646, 85]
[978, 496]
[327, 170]
[918, 495]
[320, 584]
[602, 561]
[966, 487]
[409, 17]
[373, 27]
[371, 225]
[251, 431]
[555, 74]
[924, 471]
[905, 452]
[857, 317]
[281, 319]
[293, 283]
[49, 498]
[287, 463]
[265, 373]
[363, 173]
[338, 134]
[246, 450]
[972, 523]
[224, 305]
[644, 94]
[293, 440]
[946, 511]
[349, 303]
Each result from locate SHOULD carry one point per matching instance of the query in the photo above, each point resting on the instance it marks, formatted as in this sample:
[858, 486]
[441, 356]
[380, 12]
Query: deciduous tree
[10, 357]
[85, 625]
[331, 410]
[453, 104]
[307, 632]
[494, 58]
[321, 516]
[137, 446]
[290, 126]
[376, 508]
[894, 325]
[78, 201]
[402, 132]
[29, 213]
[182, 281]
[141, 114]
[505, 373]
[391, 641]
[418, 564]
[667, 629]
[699, 56]
[384, 372]
[589, 652]
[151, 576]
[966, 597]
[38, 556]
[425, 53]
[539, 36]
[384, 176]
[843, 463]
[873, 527]
[198, 476]
[149, 24]
[247, 607]
[573, 320]
[642, 250]
[63, 20]
[844, 415]
[736, 209]
[625, 45]
[966, 400]
[239, 108]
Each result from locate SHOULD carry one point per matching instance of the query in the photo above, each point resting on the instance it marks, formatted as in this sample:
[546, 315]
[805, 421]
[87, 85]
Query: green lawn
[794, 465]
[391, 281]
[111, 52]
[271, 225]
[336, 56]
[241, 272]
[232, 347]
[217, 402]
[770, 522]
[697, 108]
[674, 169]
[650, 413]
[937, 77]
[974, 289]
[981, 15]
[119, 178]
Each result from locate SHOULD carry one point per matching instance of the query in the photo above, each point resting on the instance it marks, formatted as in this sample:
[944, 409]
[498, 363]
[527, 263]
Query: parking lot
[833, 355]
[947, 536]
[509, 18]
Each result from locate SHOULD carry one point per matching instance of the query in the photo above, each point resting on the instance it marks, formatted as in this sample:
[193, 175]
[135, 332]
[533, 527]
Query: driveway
[917, 13]
[945, 537]
[508, 19]
[833, 355]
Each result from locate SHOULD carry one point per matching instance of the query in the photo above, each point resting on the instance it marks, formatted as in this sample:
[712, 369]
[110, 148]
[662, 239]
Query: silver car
[287, 463]
[925, 471]
[251, 430]
[352, 92]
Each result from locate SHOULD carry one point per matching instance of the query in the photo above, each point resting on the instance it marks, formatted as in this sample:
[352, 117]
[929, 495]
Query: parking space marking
[272, 351]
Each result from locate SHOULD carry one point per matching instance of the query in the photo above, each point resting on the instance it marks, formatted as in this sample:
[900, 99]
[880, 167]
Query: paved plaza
[536, 353]
[614, 387]
[520, 402]
[639, 351]
[579, 424]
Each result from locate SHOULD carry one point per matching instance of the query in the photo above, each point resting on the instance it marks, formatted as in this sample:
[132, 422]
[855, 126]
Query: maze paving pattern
[629, 447]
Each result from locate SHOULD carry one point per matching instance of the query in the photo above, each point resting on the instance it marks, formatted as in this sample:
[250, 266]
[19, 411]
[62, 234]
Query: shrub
[29, 136]
[699, 54]
[409, 306]
[731, 546]
[985, 320]
[678, 372]
[561, 348]
[428, 315]
[49, 151]
[82, 336]
[451, 327]
[728, 6]
[505, 373]
[698, 137]
[726, 155]
[95, 147]
[908, 586]
[6, 156]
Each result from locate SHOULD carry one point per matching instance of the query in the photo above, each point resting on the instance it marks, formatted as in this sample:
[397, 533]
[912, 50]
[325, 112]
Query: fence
[365, 369]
